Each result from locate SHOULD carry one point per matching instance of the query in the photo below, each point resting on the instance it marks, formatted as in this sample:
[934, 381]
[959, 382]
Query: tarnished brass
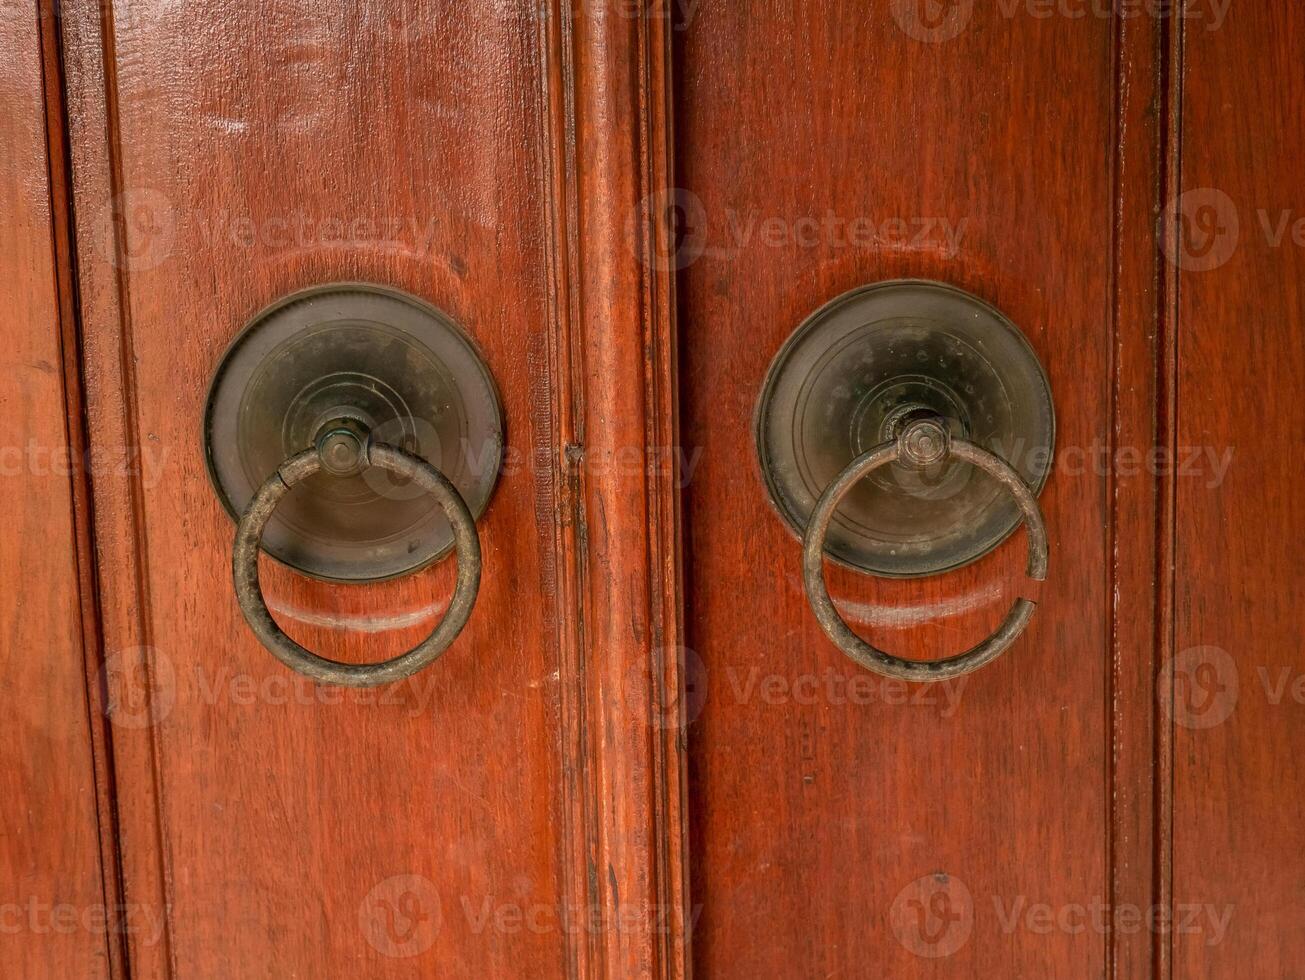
[923, 441]
[341, 450]
[377, 361]
[860, 368]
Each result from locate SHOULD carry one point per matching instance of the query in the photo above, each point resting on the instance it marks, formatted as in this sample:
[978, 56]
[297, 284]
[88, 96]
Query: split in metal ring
[249, 533]
[920, 443]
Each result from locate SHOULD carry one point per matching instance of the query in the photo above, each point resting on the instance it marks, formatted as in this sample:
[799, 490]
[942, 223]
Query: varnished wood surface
[507, 164]
[1238, 722]
[1141, 333]
[627, 480]
[56, 919]
[515, 809]
[817, 812]
[291, 830]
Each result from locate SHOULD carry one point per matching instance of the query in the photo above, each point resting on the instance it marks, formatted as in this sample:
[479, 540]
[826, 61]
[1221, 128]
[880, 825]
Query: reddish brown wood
[513, 164]
[1239, 786]
[624, 447]
[1134, 577]
[501, 170]
[106, 364]
[273, 823]
[813, 818]
[1166, 527]
[56, 917]
[615, 303]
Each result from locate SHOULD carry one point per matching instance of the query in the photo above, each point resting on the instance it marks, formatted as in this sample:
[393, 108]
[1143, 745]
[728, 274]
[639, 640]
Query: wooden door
[497, 816]
[57, 909]
[1234, 787]
[1085, 805]
[643, 757]
[866, 827]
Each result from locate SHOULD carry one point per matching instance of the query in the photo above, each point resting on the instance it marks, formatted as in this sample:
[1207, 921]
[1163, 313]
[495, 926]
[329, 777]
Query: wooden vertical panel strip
[111, 429]
[1237, 676]
[670, 664]
[1167, 495]
[55, 917]
[614, 71]
[1133, 572]
[557, 164]
[82, 509]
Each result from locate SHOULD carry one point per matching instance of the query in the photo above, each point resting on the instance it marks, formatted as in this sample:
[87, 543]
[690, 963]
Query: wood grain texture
[624, 449]
[126, 669]
[618, 605]
[521, 808]
[1166, 496]
[829, 808]
[56, 918]
[292, 830]
[1140, 333]
[1238, 711]
[513, 810]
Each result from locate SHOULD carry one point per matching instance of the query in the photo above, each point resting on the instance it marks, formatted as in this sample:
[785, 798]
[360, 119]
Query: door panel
[1238, 718]
[55, 918]
[296, 829]
[842, 824]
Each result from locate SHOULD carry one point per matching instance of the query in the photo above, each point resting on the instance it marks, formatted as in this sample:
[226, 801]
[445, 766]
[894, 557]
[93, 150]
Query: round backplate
[846, 378]
[395, 365]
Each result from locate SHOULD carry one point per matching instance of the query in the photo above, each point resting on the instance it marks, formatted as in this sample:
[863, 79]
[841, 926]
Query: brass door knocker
[905, 429]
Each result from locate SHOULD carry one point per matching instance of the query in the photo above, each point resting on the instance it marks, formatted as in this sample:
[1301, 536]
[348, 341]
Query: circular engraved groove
[398, 367]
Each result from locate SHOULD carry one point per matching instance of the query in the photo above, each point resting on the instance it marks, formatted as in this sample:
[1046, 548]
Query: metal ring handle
[920, 443]
[244, 567]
